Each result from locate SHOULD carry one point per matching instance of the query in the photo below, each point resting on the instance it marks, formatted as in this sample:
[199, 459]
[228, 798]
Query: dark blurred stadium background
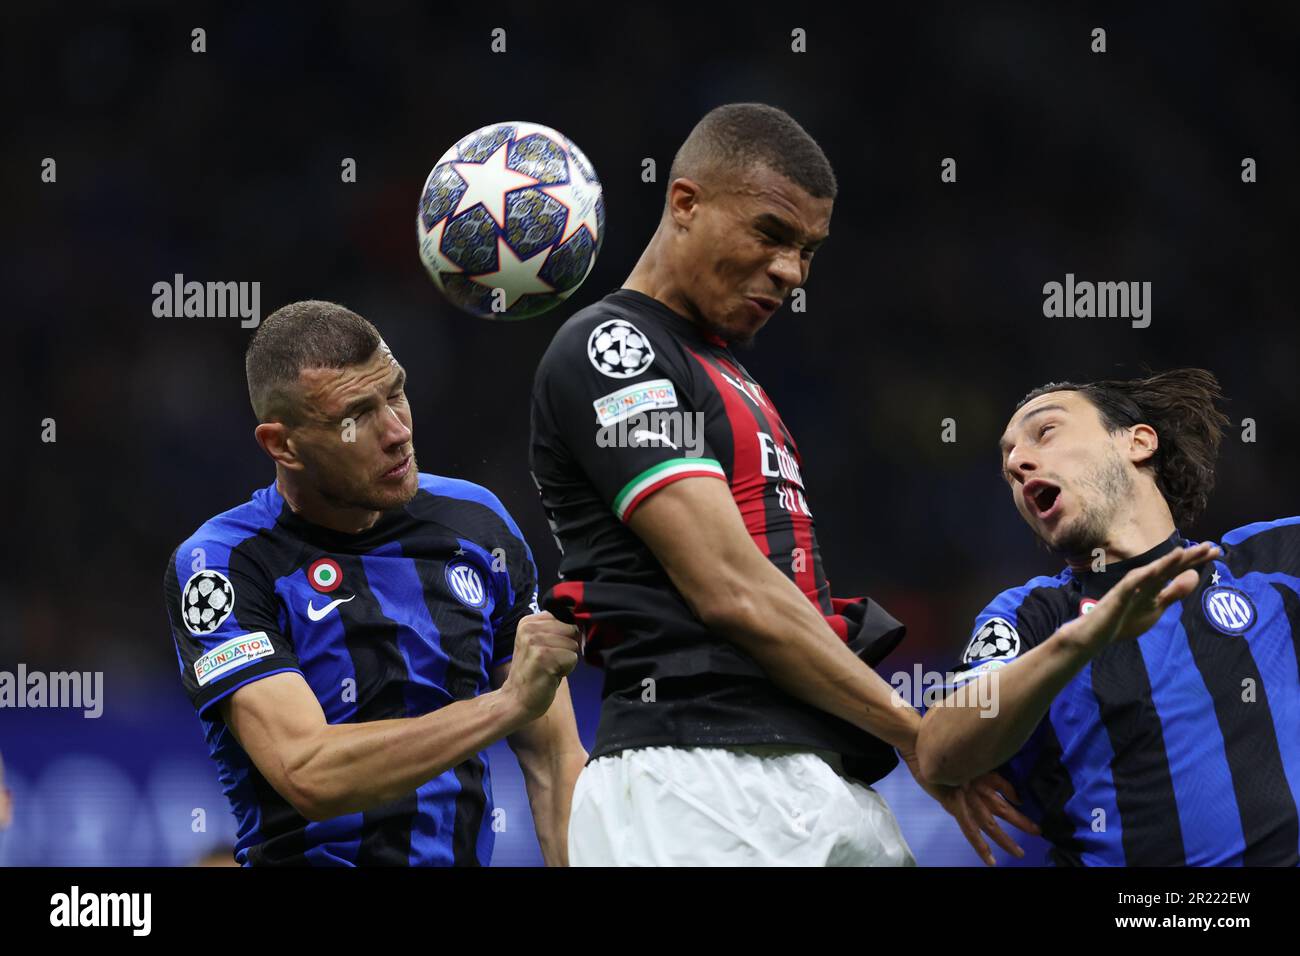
[925, 304]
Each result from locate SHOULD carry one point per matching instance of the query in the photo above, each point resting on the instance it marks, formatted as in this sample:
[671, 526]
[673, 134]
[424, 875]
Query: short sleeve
[622, 408]
[1013, 623]
[1269, 547]
[518, 583]
[225, 621]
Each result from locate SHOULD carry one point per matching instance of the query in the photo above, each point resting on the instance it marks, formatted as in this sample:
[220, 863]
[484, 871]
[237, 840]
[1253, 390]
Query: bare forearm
[976, 730]
[551, 756]
[346, 768]
[550, 781]
[779, 627]
[695, 530]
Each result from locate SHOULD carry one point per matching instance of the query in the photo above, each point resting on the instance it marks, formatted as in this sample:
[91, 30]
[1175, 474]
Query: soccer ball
[511, 220]
[207, 601]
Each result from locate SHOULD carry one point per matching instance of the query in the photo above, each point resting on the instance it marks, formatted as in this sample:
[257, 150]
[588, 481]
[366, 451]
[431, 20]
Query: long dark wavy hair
[1181, 406]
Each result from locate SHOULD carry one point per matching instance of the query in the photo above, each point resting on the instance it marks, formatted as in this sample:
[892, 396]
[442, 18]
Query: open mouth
[1043, 498]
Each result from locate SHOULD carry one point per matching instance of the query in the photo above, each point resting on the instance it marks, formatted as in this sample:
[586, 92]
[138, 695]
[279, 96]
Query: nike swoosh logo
[316, 615]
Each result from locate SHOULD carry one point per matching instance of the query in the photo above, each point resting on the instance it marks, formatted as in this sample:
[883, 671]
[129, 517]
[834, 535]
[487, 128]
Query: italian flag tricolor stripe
[655, 477]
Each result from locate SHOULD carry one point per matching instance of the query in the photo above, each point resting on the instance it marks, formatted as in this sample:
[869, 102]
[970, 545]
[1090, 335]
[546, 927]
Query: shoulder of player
[1263, 546]
[1281, 528]
[473, 502]
[577, 330]
[212, 542]
[1026, 604]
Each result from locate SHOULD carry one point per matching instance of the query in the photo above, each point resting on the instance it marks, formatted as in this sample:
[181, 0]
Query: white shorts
[729, 806]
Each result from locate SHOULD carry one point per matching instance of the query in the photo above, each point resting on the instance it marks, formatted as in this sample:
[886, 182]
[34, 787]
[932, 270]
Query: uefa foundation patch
[232, 655]
[626, 402]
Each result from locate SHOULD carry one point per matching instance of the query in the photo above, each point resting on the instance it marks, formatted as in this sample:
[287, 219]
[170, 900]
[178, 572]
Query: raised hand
[1132, 607]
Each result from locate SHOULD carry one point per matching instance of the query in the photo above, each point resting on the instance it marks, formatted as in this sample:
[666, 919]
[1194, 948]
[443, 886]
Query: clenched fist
[546, 651]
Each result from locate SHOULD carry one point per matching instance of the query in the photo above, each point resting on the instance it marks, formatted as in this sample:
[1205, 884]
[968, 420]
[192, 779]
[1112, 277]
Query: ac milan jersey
[396, 621]
[1177, 748]
[630, 397]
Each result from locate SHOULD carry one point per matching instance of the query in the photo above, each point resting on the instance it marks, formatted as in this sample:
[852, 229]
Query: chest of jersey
[391, 634]
[761, 459]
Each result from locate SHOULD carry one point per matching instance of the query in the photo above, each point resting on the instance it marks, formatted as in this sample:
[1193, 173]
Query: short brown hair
[1181, 406]
[302, 335]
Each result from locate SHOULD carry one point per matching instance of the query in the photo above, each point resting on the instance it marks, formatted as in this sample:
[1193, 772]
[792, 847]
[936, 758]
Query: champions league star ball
[511, 220]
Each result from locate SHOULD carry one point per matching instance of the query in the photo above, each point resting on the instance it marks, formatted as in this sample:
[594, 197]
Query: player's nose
[1021, 464]
[396, 431]
[786, 270]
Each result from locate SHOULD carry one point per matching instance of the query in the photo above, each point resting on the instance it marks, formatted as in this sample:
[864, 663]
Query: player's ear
[274, 439]
[1143, 442]
[683, 198]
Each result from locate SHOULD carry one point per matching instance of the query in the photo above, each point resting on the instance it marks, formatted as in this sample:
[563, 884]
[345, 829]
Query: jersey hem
[204, 707]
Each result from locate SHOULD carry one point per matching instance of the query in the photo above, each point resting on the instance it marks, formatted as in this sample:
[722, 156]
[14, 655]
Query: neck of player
[308, 504]
[1143, 522]
[653, 275]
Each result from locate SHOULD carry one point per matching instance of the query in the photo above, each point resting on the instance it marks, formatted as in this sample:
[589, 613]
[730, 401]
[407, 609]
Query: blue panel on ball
[568, 264]
[480, 145]
[441, 195]
[534, 220]
[540, 157]
[470, 241]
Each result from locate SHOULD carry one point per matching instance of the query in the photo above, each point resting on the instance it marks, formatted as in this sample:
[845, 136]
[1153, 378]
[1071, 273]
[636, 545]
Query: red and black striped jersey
[630, 397]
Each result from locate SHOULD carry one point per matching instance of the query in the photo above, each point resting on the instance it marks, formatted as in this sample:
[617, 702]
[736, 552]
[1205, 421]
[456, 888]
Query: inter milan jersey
[1180, 747]
[396, 621]
[629, 398]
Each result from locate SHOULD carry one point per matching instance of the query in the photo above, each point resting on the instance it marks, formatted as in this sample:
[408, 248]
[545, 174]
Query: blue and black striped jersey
[1183, 746]
[396, 621]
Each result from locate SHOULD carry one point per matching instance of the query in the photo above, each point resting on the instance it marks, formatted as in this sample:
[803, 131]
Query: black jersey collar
[674, 320]
[1097, 583]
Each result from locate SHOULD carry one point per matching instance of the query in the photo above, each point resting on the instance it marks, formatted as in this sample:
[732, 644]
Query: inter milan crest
[466, 584]
[325, 575]
[206, 601]
[1228, 610]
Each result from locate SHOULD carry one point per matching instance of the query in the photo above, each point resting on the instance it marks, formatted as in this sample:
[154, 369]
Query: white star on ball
[488, 182]
[517, 276]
